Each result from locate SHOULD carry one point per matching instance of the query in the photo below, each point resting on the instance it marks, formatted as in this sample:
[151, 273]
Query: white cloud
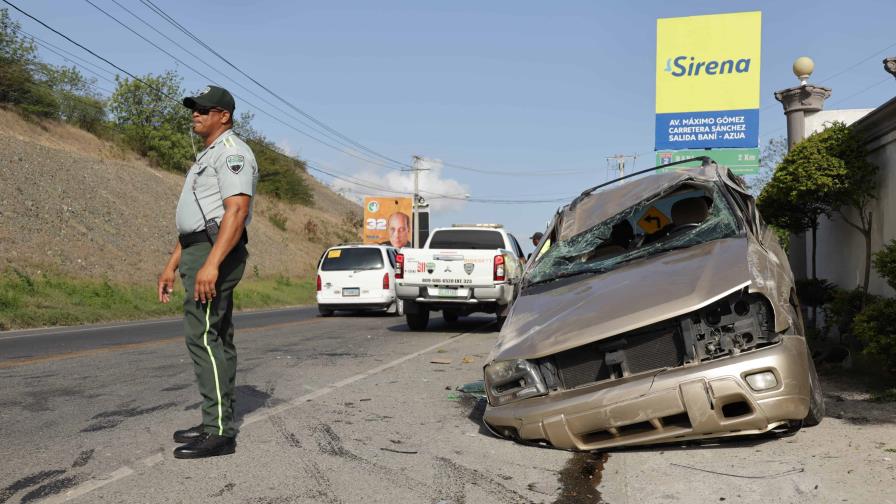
[433, 185]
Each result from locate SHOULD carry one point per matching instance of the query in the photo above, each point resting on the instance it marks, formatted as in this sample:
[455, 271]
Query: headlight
[512, 380]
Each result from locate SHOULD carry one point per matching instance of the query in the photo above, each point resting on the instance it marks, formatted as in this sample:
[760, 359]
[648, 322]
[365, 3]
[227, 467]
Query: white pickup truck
[460, 270]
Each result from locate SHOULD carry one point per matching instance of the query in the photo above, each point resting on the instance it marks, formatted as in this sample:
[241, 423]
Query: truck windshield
[466, 239]
[686, 216]
[352, 259]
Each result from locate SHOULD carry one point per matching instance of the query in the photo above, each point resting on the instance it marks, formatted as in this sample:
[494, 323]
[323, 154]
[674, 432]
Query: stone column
[798, 101]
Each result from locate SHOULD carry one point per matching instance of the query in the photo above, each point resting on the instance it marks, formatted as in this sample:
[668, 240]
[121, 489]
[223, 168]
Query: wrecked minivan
[661, 309]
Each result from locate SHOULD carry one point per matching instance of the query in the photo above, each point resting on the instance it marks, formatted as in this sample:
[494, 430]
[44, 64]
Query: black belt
[189, 239]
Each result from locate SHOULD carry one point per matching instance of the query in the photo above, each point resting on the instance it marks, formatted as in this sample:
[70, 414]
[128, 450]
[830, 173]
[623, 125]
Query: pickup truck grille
[653, 347]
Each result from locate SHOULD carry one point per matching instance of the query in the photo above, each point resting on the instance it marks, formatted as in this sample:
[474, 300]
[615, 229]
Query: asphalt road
[352, 410]
[36, 343]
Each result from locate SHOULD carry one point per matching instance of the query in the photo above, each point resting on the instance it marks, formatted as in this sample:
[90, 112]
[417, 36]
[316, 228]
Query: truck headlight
[512, 380]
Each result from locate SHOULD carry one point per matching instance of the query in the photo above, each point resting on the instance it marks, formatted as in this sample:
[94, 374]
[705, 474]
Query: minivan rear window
[352, 259]
[480, 239]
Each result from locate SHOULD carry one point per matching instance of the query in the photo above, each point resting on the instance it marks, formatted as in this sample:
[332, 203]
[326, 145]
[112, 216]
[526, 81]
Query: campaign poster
[388, 221]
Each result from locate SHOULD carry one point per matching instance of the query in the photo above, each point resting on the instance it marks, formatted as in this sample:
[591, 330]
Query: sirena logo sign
[682, 66]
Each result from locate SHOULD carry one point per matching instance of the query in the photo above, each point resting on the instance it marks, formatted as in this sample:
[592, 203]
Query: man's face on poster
[399, 229]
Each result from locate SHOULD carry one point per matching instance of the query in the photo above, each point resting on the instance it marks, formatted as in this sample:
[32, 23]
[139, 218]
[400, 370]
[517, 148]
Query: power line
[173, 22]
[138, 79]
[71, 55]
[213, 81]
[516, 174]
[300, 121]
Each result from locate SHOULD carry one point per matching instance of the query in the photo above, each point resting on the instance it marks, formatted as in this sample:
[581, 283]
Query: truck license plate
[443, 292]
[351, 291]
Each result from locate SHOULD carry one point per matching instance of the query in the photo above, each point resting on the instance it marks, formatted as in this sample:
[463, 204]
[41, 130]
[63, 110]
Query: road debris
[469, 359]
[440, 361]
[406, 452]
[795, 470]
[476, 388]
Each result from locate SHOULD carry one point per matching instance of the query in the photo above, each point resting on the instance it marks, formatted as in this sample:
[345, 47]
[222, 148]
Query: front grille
[653, 347]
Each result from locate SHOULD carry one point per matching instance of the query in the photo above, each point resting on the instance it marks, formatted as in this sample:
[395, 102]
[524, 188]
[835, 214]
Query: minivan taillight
[499, 268]
[399, 266]
[318, 283]
[386, 281]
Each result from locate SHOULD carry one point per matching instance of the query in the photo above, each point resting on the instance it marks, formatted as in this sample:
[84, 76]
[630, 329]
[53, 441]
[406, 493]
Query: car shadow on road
[437, 324]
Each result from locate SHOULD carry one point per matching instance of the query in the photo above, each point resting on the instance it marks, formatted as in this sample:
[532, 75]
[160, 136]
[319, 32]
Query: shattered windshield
[686, 216]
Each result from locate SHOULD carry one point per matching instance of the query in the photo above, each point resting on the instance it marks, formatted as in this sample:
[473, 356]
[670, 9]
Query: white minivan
[357, 277]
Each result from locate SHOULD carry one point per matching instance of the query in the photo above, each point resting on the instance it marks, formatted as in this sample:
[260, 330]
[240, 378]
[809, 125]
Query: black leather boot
[188, 435]
[206, 445]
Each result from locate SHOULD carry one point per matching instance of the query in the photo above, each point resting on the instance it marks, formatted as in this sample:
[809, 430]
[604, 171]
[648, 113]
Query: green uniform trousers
[209, 334]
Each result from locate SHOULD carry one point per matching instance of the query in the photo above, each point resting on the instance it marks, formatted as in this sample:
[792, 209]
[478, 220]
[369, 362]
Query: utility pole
[616, 165]
[416, 204]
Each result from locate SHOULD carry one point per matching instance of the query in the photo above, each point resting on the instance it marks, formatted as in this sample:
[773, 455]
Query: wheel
[396, 308]
[816, 398]
[450, 316]
[324, 312]
[418, 321]
[501, 320]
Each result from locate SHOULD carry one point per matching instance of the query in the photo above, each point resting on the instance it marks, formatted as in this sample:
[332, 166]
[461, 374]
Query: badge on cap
[206, 90]
[235, 163]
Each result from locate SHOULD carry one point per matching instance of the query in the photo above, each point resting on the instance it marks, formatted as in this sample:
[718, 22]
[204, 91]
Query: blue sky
[506, 86]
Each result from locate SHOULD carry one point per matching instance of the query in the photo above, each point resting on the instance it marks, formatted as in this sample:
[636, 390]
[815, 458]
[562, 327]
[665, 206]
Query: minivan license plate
[351, 291]
[447, 292]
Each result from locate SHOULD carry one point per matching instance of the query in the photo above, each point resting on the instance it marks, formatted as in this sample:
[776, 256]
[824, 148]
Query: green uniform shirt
[225, 168]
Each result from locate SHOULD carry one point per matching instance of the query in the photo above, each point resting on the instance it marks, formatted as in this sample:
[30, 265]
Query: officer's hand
[204, 290]
[166, 285]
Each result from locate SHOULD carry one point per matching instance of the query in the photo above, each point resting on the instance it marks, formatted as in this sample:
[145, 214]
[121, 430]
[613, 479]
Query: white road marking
[125, 471]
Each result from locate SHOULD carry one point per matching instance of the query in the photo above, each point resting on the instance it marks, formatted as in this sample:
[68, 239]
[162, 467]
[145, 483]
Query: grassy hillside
[81, 216]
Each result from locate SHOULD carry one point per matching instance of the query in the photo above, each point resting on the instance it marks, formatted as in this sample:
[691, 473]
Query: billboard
[739, 161]
[387, 220]
[707, 81]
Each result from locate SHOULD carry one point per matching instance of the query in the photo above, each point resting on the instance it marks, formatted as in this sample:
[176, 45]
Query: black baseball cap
[210, 97]
[536, 236]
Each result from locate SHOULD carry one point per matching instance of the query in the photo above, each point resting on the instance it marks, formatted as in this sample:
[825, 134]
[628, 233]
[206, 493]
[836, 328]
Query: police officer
[214, 209]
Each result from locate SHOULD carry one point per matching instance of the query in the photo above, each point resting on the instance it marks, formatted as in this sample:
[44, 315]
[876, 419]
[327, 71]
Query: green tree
[859, 187]
[78, 103]
[151, 122]
[280, 174]
[808, 183]
[20, 82]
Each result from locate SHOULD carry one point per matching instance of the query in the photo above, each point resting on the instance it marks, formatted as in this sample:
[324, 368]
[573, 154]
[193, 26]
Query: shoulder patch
[235, 162]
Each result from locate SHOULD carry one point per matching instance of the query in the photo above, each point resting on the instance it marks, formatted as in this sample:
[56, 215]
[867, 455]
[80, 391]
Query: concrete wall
[841, 248]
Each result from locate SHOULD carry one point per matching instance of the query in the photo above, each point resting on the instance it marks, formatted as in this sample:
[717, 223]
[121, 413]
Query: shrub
[278, 220]
[885, 263]
[814, 291]
[843, 307]
[876, 328]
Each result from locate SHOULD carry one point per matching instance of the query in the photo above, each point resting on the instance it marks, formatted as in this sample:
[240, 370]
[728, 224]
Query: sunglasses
[206, 110]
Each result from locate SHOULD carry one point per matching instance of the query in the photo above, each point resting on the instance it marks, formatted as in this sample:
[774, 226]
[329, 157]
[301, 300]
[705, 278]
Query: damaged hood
[636, 294]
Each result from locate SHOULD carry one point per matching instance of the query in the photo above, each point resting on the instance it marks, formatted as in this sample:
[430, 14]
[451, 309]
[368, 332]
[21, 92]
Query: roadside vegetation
[50, 299]
[828, 175]
[139, 115]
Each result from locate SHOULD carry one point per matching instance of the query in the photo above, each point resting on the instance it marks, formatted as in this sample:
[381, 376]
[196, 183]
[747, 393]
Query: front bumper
[711, 399]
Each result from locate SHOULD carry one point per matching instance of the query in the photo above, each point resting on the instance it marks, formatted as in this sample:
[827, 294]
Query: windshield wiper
[566, 275]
